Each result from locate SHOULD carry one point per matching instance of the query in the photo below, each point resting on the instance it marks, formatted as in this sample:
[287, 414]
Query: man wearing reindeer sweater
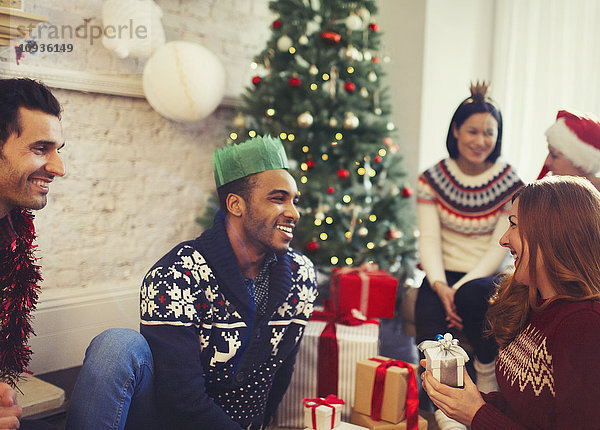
[224, 313]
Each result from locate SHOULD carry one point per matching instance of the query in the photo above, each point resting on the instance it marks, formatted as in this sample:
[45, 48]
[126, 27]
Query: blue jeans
[115, 387]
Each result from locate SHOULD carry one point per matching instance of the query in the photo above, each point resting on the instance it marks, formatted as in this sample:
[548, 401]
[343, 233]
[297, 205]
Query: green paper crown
[256, 155]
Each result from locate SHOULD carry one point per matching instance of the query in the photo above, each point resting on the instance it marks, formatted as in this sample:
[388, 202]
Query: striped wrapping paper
[355, 343]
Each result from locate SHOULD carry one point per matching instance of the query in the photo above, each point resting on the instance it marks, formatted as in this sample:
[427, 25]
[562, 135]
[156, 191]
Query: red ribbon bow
[328, 361]
[328, 401]
[412, 397]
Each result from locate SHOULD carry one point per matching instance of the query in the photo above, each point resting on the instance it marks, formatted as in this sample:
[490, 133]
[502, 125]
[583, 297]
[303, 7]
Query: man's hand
[446, 295]
[10, 411]
[460, 404]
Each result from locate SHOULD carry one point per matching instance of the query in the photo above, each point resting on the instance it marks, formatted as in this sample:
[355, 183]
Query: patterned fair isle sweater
[216, 366]
[467, 210]
[549, 376]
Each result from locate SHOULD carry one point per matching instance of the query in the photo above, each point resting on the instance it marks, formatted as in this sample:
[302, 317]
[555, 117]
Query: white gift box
[445, 359]
[355, 343]
[323, 416]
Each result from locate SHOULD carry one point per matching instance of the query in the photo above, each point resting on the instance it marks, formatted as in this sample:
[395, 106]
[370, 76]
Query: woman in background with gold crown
[462, 203]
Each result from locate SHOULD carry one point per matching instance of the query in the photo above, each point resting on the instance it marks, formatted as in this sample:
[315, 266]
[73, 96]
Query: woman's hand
[10, 411]
[460, 404]
[446, 295]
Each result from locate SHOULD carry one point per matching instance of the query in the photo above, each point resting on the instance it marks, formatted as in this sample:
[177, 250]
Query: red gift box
[372, 292]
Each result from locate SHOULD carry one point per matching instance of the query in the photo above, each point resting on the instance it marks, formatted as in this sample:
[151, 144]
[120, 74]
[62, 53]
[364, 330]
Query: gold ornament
[333, 122]
[305, 120]
[313, 70]
[351, 121]
[284, 43]
[239, 121]
[353, 22]
[351, 53]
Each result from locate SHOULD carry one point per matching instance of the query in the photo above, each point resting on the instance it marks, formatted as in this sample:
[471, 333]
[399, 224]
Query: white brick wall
[135, 181]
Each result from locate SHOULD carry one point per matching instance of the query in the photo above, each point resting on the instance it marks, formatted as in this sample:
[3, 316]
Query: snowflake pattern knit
[549, 375]
[198, 288]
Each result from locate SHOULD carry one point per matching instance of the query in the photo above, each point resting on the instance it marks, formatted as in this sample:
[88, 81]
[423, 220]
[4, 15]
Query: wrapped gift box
[371, 424]
[322, 413]
[355, 343]
[396, 388]
[347, 426]
[445, 359]
[373, 293]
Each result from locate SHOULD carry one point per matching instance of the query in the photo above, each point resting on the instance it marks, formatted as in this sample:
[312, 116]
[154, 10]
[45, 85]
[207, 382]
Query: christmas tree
[318, 87]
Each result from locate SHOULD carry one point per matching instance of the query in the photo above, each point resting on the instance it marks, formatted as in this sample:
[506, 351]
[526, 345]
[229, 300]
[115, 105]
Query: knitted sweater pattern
[548, 376]
[470, 209]
[198, 286]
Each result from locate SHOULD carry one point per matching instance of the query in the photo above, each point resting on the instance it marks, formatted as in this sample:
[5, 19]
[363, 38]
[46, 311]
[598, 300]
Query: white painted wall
[402, 23]
[458, 49]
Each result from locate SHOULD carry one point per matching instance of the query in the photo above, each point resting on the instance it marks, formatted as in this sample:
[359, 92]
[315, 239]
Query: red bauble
[343, 173]
[330, 190]
[375, 60]
[373, 27]
[276, 24]
[330, 37]
[350, 87]
[407, 192]
[256, 80]
[388, 141]
[393, 234]
[312, 246]
[294, 82]
[310, 163]
[377, 159]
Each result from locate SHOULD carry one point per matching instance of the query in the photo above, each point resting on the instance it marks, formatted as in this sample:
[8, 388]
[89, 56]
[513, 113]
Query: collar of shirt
[259, 288]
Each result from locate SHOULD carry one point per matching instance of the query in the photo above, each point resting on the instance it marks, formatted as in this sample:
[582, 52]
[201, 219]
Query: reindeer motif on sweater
[194, 300]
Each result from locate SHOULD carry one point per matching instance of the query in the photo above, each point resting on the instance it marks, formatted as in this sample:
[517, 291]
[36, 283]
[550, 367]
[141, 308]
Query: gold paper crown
[478, 92]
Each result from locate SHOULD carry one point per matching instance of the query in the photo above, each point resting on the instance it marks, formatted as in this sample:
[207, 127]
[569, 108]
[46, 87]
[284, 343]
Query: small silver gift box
[445, 359]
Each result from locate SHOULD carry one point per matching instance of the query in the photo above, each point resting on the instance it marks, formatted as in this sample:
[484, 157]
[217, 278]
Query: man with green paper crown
[223, 314]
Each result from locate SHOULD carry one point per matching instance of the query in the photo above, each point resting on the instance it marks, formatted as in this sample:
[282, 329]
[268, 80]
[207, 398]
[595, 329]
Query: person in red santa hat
[574, 147]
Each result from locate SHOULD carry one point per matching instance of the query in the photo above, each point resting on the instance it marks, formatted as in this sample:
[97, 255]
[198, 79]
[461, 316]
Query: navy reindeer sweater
[217, 363]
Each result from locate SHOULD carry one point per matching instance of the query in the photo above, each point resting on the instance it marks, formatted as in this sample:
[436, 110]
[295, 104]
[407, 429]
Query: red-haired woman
[545, 317]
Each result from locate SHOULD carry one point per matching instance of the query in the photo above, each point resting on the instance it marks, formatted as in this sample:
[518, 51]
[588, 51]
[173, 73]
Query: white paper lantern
[184, 81]
[132, 28]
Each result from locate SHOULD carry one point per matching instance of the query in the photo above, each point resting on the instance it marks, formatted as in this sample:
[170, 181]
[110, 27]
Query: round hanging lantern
[132, 28]
[184, 81]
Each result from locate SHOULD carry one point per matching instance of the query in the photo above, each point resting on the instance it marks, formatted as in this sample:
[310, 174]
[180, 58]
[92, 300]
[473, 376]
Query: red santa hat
[578, 138]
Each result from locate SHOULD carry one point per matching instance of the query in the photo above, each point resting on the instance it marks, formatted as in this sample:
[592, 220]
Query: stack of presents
[340, 381]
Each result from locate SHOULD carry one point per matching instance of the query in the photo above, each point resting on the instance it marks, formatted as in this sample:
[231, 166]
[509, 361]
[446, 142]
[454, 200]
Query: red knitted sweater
[549, 376]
